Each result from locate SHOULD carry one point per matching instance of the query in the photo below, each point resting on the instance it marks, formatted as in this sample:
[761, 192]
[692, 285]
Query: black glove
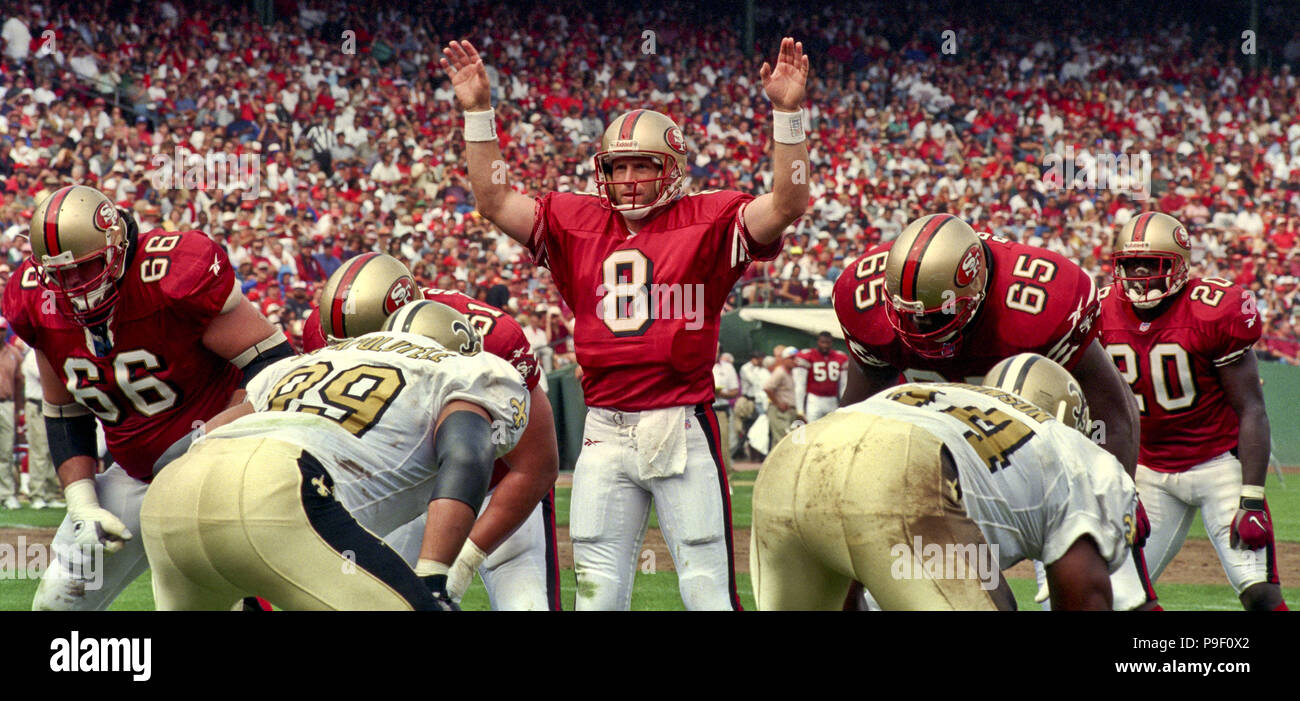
[437, 584]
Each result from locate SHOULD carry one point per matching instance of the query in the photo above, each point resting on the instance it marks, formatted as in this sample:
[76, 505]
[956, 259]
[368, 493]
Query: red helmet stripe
[52, 247]
[912, 266]
[625, 131]
[1140, 228]
[340, 299]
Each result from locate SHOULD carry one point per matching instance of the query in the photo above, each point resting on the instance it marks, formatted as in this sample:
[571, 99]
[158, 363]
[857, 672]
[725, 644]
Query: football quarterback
[513, 545]
[1183, 344]
[926, 491]
[282, 497]
[647, 268]
[146, 332]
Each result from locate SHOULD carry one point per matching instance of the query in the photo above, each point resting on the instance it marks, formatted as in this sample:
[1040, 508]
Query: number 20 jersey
[1032, 484]
[647, 306]
[1036, 301]
[158, 381]
[366, 409]
[1170, 362]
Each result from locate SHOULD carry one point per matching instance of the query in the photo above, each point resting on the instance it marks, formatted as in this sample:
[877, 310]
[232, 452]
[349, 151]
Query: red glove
[1143, 529]
[1252, 527]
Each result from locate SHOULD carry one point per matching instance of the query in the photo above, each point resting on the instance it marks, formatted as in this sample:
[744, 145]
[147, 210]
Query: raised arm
[488, 176]
[768, 216]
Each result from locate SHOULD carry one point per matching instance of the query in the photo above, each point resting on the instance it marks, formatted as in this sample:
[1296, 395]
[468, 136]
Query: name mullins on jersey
[641, 301]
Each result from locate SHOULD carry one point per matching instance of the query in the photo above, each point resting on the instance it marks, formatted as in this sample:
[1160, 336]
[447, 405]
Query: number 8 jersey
[647, 306]
[156, 380]
[1170, 362]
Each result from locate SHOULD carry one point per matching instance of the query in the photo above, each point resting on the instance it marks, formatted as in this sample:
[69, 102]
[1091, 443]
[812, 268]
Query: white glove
[461, 574]
[92, 524]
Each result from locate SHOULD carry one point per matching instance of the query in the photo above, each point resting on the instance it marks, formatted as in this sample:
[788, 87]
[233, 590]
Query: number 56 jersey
[366, 409]
[1032, 484]
[1171, 363]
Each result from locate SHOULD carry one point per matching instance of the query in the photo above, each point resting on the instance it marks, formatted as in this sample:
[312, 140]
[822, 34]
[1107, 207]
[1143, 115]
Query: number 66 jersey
[1170, 362]
[366, 408]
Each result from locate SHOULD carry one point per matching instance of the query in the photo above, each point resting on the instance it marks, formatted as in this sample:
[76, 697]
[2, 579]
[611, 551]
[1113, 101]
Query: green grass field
[658, 591]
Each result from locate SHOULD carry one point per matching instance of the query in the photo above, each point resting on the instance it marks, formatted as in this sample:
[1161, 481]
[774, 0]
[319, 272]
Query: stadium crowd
[300, 134]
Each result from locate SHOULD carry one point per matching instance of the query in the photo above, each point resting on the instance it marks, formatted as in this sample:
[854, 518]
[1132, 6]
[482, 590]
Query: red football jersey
[1170, 363]
[823, 370]
[158, 381]
[502, 335]
[1037, 301]
[648, 305]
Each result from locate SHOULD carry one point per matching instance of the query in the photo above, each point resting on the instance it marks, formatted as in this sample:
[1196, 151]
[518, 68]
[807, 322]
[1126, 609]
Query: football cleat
[363, 293]
[643, 133]
[1151, 258]
[935, 276]
[79, 247]
[1045, 384]
[451, 329]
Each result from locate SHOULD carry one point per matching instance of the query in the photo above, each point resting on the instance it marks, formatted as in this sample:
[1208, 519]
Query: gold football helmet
[935, 276]
[79, 245]
[1151, 257]
[642, 133]
[451, 329]
[363, 293]
[1045, 384]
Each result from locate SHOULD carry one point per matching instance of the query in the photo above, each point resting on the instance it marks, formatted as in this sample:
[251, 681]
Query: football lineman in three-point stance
[942, 302]
[146, 332]
[283, 497]
[1184, 346]
[513, 544]
[973, 473]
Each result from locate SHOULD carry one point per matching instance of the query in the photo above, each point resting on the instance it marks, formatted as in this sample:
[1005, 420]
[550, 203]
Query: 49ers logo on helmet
[105, 216]
[673, 137]
[400, 293]
[970, 265]
[1182, 238]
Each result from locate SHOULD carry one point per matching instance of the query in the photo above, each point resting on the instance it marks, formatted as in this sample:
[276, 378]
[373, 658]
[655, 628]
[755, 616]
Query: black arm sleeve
[465, 454]
[264, 359]
[70, 437]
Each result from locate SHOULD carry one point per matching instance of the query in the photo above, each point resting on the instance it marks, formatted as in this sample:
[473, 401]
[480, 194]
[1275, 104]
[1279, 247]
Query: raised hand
[468, 76]
[784, 84]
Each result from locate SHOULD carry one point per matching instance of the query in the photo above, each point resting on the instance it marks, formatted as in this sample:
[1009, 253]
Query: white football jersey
[1031, 483]
[366, 407]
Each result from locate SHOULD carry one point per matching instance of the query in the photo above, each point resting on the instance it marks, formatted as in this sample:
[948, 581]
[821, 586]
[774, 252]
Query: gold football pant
[841, 504]
[251, 516]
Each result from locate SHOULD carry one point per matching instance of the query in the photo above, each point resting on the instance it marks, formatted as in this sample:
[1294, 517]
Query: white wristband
[80, 496]
[787, 127]
[481, 126]
[1252, 491]
[471, 555]
[425, 568]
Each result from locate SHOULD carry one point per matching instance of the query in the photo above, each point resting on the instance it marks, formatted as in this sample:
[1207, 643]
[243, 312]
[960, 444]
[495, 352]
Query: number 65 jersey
[1032, 484]
[366, 408]
[1036, 301]
[1171, 363]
